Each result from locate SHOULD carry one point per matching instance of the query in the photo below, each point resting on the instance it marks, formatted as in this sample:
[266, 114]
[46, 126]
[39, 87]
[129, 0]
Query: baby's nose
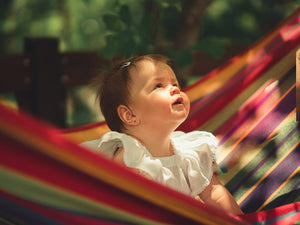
[175, 90]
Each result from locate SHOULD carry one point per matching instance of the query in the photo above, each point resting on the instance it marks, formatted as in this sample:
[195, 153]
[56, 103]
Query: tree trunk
[6, 40]
[188, 32]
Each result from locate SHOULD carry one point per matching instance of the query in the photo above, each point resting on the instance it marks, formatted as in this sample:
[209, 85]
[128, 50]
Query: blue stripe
[17, 214]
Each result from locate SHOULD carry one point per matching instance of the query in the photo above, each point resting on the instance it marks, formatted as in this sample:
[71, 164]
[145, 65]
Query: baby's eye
[158, 86]
[176, 85]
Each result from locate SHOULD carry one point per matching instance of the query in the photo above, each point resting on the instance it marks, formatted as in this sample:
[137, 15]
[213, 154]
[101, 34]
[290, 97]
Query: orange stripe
[280, 187]
[96, 204]
[222, 76]
[139, 189]
[255, 124]
[276, 130]
[87, 134]
[266, 174]
[215, 82]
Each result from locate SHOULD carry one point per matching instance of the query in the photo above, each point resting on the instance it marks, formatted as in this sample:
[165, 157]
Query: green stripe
[284, 129]
[285, 195]
[50, 196]
[269, 163]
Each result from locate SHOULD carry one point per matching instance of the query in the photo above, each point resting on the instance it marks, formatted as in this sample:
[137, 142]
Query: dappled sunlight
[249, 167]
[82, 107]
[250, 114]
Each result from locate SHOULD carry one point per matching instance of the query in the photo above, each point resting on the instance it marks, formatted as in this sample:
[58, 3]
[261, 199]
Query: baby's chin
[181, 119]
[181, 111]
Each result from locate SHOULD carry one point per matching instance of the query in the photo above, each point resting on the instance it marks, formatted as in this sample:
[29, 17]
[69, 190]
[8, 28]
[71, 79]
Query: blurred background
[199, 35]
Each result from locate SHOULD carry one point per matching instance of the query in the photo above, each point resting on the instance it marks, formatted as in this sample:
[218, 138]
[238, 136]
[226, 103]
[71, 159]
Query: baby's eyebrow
[161, 79]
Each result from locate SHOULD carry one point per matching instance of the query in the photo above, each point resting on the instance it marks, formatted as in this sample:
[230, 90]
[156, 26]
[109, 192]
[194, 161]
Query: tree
[179, 29]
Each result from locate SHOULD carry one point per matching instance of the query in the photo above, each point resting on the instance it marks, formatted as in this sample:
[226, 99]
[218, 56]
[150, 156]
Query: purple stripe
[272, 182]
[197, 106]
[277, 45]
[265, 127]
[286, 198]
[260, 103]
[262, 162]
[250, 113]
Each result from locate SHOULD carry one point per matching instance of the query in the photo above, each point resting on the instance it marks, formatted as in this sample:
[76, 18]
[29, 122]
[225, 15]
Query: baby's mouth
[178, 101]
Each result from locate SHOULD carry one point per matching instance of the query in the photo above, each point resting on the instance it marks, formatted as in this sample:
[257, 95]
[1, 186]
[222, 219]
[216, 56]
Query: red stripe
[84, 127]
[292, 19]
[257, 59]
[59, 216]
[242, 115]
[274, 213]
[215, 105]
[45, 169]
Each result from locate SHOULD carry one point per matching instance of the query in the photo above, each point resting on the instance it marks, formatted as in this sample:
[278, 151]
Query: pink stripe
[283, 26]
[209, 109]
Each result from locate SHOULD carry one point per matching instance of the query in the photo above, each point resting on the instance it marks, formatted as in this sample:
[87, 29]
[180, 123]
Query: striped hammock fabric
[248, 103]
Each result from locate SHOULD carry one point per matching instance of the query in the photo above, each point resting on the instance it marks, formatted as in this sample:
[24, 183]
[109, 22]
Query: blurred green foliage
[128, 27]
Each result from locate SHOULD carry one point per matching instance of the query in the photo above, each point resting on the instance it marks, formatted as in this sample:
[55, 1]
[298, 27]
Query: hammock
[248, 103]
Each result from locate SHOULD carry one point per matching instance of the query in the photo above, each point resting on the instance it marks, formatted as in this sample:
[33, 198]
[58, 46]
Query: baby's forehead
[154, 68]
[147, 63]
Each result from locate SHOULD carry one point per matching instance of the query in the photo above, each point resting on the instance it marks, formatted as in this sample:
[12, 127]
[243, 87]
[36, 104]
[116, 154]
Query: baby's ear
[126, 115]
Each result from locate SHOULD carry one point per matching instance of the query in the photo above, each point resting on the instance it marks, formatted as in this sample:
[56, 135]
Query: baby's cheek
[187, 100]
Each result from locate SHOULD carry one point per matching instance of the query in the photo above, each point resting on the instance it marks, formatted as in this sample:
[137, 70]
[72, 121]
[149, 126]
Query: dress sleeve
[109, 143]
[198, 151]
[135, 154]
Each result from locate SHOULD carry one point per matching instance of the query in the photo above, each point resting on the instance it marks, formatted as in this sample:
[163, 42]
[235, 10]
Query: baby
[143, 105]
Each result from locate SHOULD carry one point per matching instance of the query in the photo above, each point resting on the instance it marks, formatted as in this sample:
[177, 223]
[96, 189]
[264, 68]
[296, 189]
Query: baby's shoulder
[112, 141]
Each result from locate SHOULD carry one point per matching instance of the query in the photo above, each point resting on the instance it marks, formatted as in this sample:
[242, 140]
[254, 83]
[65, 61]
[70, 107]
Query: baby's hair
[115, 88]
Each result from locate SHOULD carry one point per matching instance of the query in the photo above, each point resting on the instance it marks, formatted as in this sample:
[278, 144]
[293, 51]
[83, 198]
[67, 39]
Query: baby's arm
[216, 194]
[118, 156]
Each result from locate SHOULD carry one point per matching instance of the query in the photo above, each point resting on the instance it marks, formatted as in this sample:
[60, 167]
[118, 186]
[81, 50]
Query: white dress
[189, 170]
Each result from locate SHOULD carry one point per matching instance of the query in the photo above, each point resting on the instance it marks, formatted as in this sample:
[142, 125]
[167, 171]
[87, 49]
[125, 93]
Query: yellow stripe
[248, 156]
[87, 134]
[279, 188]
[44, 193]
[9, 104]
[277, 71]
[218, 80]
[222, 76]
[266, 174]
[141, 190]
[226, 73]
[253, 126]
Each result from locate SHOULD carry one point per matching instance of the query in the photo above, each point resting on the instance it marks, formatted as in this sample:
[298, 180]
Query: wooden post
[298, 85]
[47, 96]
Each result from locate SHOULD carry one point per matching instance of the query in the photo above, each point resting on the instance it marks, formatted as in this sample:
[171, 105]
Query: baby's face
[155, 95]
